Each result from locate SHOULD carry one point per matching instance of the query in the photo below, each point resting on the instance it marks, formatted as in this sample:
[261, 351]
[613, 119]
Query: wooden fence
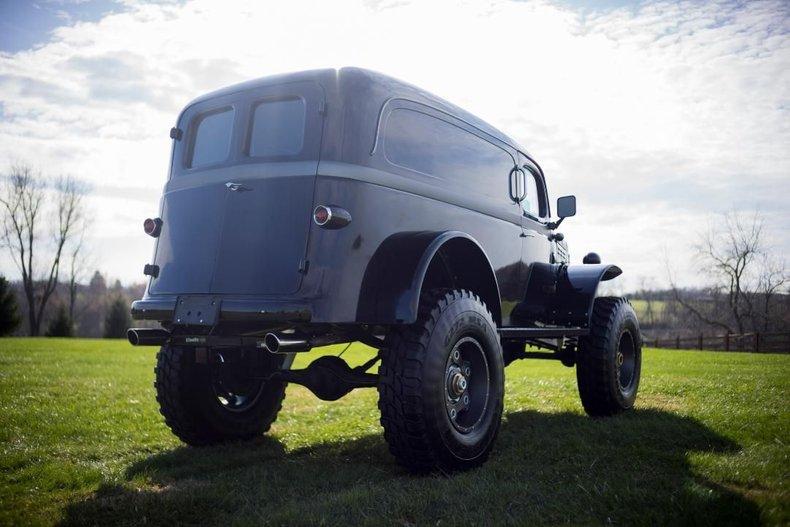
[752, 342]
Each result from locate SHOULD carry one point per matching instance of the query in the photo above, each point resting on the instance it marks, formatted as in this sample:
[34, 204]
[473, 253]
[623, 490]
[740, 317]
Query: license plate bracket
[196, 311]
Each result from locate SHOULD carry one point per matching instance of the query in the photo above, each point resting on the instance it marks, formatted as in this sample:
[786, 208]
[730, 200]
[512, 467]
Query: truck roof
[353, 83]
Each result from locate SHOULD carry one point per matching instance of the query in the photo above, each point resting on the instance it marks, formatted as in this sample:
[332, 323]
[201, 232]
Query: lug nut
[456, 355]
[466, 400]
[453, 413]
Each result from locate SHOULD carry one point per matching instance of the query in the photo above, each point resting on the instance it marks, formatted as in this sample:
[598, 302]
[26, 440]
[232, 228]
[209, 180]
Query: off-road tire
[614, 327]
[190, 406]
[413, 383]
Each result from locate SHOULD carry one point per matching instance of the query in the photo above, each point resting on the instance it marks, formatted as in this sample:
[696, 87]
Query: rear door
[236, 210]
[267, 219]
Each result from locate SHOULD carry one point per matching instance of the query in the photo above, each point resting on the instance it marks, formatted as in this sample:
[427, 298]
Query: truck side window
[211, 138]
[433, 146]
[531, 203]
[277, 128]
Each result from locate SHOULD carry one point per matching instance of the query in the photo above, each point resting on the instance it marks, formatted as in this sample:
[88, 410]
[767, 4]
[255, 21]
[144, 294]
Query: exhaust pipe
[147, 336]
[285, 343]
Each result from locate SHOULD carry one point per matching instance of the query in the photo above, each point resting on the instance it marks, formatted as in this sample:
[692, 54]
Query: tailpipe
[285, 343]
[147, 336]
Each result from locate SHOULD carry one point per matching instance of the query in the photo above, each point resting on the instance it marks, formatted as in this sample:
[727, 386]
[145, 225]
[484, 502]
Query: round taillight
[322, 215]
[152, 226]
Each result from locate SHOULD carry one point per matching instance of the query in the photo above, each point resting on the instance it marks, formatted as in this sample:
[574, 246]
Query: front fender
[562, 295]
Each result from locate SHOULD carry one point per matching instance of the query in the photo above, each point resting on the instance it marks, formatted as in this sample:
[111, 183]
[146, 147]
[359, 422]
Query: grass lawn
[82, 442]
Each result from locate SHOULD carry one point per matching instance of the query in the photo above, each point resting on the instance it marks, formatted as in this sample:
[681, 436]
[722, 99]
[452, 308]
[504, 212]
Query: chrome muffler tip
[275, 343]
[271, 342]
[147, 336]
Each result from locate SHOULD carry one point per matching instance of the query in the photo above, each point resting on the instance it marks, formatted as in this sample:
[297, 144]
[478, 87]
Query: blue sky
[657, 115]
[25, 24]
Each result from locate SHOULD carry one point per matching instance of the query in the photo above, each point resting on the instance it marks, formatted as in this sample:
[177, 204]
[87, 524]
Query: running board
[537, 333]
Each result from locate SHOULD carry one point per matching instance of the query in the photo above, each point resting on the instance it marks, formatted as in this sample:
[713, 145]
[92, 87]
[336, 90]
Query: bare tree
[744, 276]
[772, 280]
[23, 198]
[698, 311]
[728, 251]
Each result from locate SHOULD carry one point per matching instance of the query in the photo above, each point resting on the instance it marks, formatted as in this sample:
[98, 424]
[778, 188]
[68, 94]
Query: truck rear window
[211, 138]
[277, 128]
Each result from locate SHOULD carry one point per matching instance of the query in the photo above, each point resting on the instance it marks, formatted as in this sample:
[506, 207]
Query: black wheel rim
[234, 390]
[467, 385]
[626, 361]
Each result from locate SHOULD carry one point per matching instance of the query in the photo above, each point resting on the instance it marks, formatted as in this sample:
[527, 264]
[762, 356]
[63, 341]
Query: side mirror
[566, 206]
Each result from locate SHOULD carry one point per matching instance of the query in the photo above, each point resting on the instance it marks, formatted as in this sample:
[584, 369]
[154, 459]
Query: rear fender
[396, 274]
[562, 295]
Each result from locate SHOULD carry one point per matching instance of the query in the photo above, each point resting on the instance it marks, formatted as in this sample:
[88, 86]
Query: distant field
[640, 306]
[81, 442]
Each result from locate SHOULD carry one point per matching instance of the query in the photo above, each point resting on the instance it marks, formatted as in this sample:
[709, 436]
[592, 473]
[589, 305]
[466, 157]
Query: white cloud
[655, 115]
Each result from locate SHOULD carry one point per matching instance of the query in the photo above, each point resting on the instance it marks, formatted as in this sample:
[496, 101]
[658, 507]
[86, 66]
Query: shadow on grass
[546, 468]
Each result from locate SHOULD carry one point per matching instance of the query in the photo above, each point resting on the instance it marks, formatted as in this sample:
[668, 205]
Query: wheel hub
[467, 384]
[458, 384]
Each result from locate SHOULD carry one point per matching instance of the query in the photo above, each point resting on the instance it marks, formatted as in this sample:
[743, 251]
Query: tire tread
[400, 383]
[593, 368]
[176, 393]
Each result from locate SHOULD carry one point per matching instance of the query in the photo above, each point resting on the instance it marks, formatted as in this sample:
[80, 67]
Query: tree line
[743, 284]
[43, 231]
[94, 309]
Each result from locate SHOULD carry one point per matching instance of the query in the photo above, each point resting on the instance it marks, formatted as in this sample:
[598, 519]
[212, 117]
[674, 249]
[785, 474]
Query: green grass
[82, 443]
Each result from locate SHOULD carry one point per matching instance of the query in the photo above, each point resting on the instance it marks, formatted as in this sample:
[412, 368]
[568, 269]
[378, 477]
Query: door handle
[533, 234]
[236, 187]
[516, 185]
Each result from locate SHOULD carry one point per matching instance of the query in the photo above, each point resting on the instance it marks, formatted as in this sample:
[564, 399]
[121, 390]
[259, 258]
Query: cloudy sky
[656, 115]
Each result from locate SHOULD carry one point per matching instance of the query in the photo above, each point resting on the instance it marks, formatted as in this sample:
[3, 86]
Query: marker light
[331, 217]
[152, 226]
[322, 215]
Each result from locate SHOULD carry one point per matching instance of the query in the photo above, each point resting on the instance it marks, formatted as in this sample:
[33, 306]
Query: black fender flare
[393, 279]
[561, 294]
